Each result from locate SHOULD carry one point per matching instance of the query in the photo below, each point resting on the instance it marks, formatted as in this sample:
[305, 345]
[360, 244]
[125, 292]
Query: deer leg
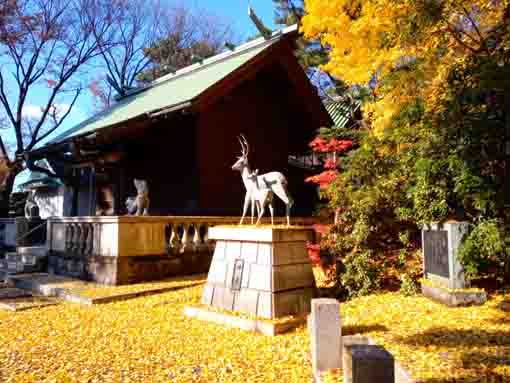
[282, 193]
[262, 208]
[271, 210]
[252, 203]
[245, 207]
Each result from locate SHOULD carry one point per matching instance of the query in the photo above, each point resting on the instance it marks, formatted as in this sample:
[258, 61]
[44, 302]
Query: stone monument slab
[441, 266]
[440, 246]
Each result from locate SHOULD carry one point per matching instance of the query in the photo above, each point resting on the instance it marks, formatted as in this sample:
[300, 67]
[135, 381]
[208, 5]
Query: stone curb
[254, 325]
[75, 298]
[62, 293]
[12, 307]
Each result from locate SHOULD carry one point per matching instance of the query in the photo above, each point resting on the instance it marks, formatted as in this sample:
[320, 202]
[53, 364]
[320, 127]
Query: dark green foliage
[361, 275]
[486, 247]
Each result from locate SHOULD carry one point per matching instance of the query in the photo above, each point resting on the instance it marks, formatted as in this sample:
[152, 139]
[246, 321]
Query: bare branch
[46, 44]
[58, 121]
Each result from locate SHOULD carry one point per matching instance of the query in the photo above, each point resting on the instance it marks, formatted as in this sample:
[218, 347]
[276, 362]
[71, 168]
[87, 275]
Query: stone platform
[263, 271]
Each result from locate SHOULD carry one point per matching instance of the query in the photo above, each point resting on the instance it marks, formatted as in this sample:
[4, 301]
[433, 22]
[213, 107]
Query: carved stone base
[127, 270]
[454, 298]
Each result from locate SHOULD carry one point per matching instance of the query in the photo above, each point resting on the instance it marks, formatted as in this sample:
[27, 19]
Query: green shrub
[402, 258]
[361, 275]
[485, 248]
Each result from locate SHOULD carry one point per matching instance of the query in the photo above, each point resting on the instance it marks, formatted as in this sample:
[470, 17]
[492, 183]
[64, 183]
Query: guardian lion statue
[139, 205]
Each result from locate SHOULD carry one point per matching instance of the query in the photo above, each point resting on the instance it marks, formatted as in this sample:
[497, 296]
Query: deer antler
[244, 144]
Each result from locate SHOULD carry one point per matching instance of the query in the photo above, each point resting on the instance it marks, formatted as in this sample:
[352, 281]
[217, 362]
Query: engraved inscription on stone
[435, 249]
[237, 275]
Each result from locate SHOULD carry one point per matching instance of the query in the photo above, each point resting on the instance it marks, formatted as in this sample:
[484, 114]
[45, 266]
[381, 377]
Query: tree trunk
[5, 194]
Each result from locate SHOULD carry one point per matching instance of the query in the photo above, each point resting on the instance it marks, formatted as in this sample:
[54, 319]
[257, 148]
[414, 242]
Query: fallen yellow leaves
[433, 342]
[150, 340]
[142, 340]
[94, 290]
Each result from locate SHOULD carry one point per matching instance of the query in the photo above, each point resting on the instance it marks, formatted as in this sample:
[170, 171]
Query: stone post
[325, 335]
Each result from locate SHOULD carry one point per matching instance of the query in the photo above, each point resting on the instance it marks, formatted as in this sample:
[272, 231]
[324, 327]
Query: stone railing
[137, 236]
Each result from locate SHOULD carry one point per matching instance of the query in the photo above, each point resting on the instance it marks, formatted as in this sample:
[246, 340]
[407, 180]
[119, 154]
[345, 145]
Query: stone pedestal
[261, 271]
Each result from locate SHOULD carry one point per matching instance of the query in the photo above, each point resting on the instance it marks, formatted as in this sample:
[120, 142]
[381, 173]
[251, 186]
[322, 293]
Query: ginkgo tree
[438, 116]
[372, 39]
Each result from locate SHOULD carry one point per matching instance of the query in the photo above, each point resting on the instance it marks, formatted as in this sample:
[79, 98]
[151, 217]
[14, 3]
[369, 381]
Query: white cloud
[32, 111]
[35, 112]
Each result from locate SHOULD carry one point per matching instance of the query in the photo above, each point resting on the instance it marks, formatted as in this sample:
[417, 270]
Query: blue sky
[237, 11]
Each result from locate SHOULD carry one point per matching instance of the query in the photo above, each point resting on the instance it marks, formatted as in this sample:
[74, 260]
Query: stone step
[40, 283]
[39, 251]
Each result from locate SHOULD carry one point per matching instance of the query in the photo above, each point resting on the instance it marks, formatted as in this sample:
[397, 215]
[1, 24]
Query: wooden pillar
[119, 190]
[92, 190]
[76, 189]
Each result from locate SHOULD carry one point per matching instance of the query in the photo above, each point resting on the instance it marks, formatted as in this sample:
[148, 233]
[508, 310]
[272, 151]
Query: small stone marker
[325, 335]
[368, 364]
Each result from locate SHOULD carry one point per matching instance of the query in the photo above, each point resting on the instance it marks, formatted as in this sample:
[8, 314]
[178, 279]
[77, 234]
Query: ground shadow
[475, 359]
[451, 338]
[501, 320]
[487, 378]
[362, 329]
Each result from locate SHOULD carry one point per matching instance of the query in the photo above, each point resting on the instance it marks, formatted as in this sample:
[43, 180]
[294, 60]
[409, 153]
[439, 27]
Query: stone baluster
[82, 245]
[173, 242]
[89, 239]
[197, 241]
[96, 239]
[186, 244]
[207, 242]
[77, 238]
[69, 237]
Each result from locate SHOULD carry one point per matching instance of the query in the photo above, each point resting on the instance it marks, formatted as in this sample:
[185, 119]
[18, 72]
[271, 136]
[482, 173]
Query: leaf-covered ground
[433, 342]
[142, 340]
[149, 340]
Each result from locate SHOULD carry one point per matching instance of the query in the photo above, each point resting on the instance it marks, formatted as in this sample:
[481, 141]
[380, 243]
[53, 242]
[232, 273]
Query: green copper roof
[37, 179]
[174, 90]
[340, 112]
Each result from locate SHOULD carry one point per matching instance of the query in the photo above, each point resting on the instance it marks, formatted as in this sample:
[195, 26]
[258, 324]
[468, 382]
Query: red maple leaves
[332, 148]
